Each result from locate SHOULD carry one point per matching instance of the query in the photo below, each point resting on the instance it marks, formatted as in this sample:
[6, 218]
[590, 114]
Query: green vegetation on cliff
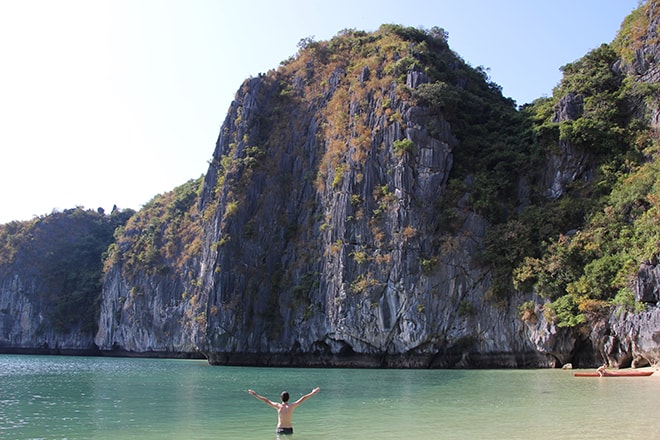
[162, 236]
[583, 251]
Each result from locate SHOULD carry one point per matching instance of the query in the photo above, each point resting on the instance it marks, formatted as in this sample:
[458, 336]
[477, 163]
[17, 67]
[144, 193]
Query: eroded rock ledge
[362, 360]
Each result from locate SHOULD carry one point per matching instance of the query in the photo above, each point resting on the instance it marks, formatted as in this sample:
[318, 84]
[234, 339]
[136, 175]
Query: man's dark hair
[284, 396]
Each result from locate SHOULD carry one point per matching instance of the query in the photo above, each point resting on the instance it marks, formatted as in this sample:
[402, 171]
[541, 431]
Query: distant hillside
[51, 278]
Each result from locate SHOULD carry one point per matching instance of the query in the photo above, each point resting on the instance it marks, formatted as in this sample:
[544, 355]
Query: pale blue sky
[108, 102]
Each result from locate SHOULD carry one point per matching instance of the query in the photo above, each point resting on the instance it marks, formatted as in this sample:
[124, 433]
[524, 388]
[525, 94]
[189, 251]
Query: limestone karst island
[375, 201]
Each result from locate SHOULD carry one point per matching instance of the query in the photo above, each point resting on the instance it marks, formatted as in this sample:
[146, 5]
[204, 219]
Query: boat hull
[615, 374]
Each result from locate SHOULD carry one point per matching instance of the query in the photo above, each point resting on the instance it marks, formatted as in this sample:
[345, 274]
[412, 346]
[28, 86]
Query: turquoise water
[45, 397]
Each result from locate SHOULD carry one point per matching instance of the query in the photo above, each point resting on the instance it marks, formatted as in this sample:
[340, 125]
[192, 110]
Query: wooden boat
[614, 373]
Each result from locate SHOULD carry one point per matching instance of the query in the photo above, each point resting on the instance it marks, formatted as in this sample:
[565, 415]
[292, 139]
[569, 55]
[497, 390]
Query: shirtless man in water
[284, 409]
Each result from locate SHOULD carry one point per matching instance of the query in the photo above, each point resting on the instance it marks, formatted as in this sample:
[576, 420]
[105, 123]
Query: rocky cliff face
[152, 315]
[359, 268]
[640, 49]
[25, 325]
[151, 303]
[567, 164]
[326, 247]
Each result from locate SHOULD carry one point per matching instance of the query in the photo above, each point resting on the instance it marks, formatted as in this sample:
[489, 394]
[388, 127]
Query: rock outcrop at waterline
[27, 329]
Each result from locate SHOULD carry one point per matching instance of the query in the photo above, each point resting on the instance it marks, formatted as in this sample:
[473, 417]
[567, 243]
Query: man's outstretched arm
[306, 396]
[263, 399]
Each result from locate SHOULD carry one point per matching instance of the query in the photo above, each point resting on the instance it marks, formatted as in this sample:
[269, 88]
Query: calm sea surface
[45, 397]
